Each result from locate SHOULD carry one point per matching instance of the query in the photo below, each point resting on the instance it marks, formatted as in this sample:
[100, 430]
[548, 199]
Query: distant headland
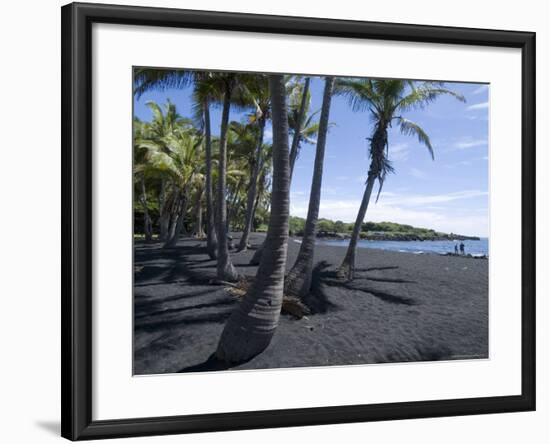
[379, 231]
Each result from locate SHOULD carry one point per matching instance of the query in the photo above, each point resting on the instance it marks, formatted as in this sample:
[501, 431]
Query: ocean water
[480, 247]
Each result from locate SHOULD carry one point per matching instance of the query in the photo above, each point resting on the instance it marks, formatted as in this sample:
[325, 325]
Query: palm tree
[298, 281]
[153, 135]
[259, 94]
[140, 169]
[296, 119]
[385, 100]
[175, 156]
[147, 222]
[242, 147]
[202, 99]
[251, 326]
[226, 84]
[199, 190]
[307, 133]
[146, 79]
[185, 165]
[303, 128]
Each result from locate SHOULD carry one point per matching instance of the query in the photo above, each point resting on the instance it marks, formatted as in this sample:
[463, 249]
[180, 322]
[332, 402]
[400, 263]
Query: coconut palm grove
[296, 220]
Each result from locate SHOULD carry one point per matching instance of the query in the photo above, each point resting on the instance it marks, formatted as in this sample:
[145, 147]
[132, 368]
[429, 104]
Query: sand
[401, 307]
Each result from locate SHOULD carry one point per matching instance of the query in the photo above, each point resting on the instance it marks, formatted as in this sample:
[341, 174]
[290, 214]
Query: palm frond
[423, 95]
[359, 93]
[385, 170]
[146, 79]
[410, 128]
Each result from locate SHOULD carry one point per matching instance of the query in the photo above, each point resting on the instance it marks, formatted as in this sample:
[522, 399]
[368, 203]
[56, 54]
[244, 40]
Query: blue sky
[448, 194]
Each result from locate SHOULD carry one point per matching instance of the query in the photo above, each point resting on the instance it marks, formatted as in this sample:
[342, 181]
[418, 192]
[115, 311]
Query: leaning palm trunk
[298, 129]
[378, 168]
[298, 281]
[211, 238]
[252, 190]
[251, 326]
[147, 225]
[347, 268]
[225, 269]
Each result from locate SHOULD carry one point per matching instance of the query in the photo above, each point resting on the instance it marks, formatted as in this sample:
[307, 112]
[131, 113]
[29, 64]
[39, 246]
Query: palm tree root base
[345, 271]
[292, 305]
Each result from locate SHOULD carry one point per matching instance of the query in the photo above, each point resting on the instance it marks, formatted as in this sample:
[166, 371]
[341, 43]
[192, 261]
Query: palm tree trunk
[233, 206]
[298, 281]
[347, 268]
[177, 221]
[147, 225]
[199, 233]
[172, 212]
[257, 256]
[378, 146]
[163, 214]
[298, 129]
[251, 326]
[211, 238]
[225, 269]
[256, 203]
[252, 189]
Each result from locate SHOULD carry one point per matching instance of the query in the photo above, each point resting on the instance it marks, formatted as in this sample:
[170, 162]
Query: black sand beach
[401, 307]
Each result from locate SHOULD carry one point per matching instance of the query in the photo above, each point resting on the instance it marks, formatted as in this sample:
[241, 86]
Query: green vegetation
[373, 230]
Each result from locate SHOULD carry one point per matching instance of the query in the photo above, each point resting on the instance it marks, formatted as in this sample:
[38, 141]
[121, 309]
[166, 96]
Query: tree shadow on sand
[317, 301]
[212, 364]
[331, 279]
[167, 324]
[177, 265]
[162, 312]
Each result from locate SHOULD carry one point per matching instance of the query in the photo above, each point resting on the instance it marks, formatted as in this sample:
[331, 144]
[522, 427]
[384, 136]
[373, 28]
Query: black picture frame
[76, 129]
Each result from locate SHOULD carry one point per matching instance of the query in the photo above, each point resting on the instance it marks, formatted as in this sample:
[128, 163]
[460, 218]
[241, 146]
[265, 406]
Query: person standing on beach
[462, 248]
[456, 249]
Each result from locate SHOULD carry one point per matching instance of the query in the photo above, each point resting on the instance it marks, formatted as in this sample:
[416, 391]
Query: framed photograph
[282, 221]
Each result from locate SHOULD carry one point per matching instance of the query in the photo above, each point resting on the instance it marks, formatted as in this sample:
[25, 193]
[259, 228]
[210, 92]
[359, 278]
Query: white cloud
[399, 152]
[470, 143]
[268, 135]
[428, 211]
[331, 191]
[476, 106]
[424, 199]
[416, 173]
[481, 89]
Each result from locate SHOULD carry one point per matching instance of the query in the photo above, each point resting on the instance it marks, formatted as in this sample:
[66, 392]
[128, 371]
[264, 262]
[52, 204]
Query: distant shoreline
[397, 237]
[420, 250]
